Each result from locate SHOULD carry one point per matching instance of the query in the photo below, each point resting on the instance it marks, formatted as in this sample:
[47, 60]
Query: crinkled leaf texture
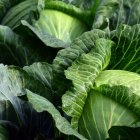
[41, 104]
[65, 57]
[82, 73]
[114, 101]
[82, 45]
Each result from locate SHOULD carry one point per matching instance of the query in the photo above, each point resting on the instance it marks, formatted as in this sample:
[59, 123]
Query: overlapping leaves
[113, 13]
[83, 73]
[15, 50]
[114, 96]
[19, 12]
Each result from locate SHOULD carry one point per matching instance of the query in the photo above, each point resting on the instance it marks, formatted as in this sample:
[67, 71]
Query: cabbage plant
[69, 69]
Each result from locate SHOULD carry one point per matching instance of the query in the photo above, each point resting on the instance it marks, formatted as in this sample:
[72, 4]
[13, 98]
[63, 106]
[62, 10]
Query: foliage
[69, 69]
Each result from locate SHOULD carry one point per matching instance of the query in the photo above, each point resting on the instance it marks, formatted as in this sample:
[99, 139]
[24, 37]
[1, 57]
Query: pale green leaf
[53, 30]
[113, 101]
[100, 113]
[122, 86]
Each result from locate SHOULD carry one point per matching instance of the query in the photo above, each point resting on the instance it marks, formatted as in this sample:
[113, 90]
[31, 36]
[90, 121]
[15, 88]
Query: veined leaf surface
[51, 27]
[113, 101]
[82, 73]
[100, 113]
[126, 53]
[19, 12]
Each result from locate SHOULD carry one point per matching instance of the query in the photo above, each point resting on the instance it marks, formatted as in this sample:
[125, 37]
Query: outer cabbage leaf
[126, 52]
[41, 104]
[103, 7]
[41, 71]
[113, 101]
[5, 5]
[15, 50]
[14, 83]
[19, 12]
[44, 73]
[84, 4]
[104, 10]
[124, 12]
[127, 13]
[82, 73]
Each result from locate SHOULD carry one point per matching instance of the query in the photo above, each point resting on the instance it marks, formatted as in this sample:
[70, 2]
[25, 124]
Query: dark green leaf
[5, 5]
[126, 52]
[15, 50]
[124, 133]
[19, 12]
[3, 133]
[41, 104]
[116, 13]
